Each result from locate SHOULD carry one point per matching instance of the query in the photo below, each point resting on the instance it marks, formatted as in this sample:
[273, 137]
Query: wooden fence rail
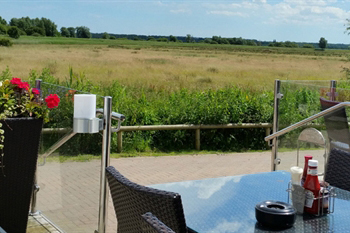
[197, 129]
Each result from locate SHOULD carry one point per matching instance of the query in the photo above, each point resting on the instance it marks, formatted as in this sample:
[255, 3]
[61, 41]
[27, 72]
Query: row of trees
[79, 32]
[39, 27]
[45, 27]
[233, 41]
[218, 40]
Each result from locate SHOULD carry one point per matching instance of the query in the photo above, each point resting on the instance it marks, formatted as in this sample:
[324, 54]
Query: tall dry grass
[169, 69]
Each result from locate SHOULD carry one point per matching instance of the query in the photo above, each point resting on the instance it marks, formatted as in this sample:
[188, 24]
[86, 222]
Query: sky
[264, 20]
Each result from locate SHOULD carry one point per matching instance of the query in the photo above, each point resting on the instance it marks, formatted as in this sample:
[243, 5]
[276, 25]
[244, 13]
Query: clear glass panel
[69, 178]
[301, 100]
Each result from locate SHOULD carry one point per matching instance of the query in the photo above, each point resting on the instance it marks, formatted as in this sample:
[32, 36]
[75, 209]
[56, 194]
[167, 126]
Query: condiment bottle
[312, 188]
[303, 178]
[296, 174]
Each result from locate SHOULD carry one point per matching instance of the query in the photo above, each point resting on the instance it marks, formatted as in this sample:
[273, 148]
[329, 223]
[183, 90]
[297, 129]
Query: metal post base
[36, 213]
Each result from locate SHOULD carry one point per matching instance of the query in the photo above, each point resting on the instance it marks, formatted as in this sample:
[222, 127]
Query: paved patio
[69, 192]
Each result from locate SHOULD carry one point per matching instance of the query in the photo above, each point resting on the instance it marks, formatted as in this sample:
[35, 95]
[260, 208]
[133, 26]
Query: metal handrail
[307, 120]
[115, 115]
[70, 134]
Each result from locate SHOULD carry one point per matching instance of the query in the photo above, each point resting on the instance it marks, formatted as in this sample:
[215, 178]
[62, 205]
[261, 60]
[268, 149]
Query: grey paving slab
[69, 191]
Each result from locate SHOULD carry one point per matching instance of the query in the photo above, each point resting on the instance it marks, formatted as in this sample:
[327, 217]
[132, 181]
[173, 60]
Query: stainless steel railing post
[274, 149]
[36, 187]
[333, 90]
[106, 144]
[38, 84]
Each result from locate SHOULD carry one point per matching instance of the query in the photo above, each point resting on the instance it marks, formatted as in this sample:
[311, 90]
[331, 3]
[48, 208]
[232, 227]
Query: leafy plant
[5, 42]
[17, 100]
[13, 32]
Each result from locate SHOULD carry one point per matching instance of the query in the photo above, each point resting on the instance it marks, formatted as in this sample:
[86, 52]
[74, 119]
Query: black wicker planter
[20, 159]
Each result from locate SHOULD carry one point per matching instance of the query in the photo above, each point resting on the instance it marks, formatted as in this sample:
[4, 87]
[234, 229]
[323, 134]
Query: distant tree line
[45, 27]
[39, 27]
[217, 40]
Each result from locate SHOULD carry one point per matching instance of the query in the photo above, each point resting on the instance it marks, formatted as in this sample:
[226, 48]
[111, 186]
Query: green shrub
[22, 33]
[112, 37]
[3, 29]
[308, 46]
[13, 32]
[5, 42]
[30, 31]
[36, 34]
[143, 106]
[162, 39]
[105, 36]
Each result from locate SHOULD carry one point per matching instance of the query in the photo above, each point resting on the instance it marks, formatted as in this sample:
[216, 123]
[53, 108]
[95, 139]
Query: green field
[171, 66]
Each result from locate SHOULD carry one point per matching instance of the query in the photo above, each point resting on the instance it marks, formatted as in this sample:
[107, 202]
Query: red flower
[16, 81]
[52, 100]
[24, 85]
[35, 91]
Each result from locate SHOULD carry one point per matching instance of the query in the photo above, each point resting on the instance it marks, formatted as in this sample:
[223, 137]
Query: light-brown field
[169, 69]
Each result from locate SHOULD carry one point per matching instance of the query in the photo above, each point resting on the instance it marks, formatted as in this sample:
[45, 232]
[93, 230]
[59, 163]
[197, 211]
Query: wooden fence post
[198, 139]
[268, 130]
[119, 141]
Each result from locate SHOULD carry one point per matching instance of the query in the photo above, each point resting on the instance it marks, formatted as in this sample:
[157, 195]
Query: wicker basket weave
[337, 171]
[22, 136]
[131, 200]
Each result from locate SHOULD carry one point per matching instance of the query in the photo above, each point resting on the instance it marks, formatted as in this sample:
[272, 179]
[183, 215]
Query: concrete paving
[69, 191]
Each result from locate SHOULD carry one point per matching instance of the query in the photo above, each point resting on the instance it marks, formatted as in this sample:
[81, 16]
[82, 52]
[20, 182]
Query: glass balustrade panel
[68, 175]
[303, 99]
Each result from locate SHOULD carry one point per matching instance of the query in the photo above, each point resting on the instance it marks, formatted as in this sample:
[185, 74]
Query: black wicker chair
[338, 169]
[131, 200]
[336, 125]
[153, 225]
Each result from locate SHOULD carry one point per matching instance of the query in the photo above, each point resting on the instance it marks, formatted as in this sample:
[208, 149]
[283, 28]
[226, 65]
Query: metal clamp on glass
[85, 120]
[81, 125]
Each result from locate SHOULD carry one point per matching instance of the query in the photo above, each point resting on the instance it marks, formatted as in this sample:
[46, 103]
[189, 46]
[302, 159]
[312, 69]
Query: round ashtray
[275, 214]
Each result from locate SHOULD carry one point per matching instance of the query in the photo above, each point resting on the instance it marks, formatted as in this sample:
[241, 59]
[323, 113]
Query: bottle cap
[296, 169]
[313, 163]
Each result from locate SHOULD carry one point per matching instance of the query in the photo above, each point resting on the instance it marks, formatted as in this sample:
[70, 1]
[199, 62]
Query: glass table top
[227, 204]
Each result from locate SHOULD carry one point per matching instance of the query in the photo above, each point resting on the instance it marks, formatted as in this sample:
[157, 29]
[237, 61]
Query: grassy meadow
[158, 83]
[171, 66]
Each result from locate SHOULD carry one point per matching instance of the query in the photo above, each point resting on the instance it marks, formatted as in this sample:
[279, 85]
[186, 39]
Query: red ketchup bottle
[303, 178]
[312, 189]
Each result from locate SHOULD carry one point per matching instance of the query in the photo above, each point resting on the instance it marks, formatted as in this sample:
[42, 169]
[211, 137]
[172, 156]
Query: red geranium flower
[24, 85]
[52, 100]
[16, 81]
[35, 91]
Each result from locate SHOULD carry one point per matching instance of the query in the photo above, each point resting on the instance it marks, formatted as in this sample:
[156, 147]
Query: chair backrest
[336, 122]
[338, 169]
[153, 225]
[131, 200]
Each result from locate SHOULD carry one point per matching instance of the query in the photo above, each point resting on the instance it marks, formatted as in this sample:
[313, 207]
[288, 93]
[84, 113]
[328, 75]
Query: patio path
[69, 192]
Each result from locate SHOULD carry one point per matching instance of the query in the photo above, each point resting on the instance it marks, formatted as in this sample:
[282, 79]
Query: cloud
[174, 8]
[228, 13]
[226, 226]
[300, 12]
[233, 225]
[180, 11]
[207, 189]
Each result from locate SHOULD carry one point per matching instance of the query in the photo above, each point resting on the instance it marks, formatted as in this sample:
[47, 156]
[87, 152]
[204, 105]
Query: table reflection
[227, 204]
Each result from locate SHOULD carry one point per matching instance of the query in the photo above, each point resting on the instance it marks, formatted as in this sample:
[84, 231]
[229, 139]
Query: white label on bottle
[312, 171]
[309, 198]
